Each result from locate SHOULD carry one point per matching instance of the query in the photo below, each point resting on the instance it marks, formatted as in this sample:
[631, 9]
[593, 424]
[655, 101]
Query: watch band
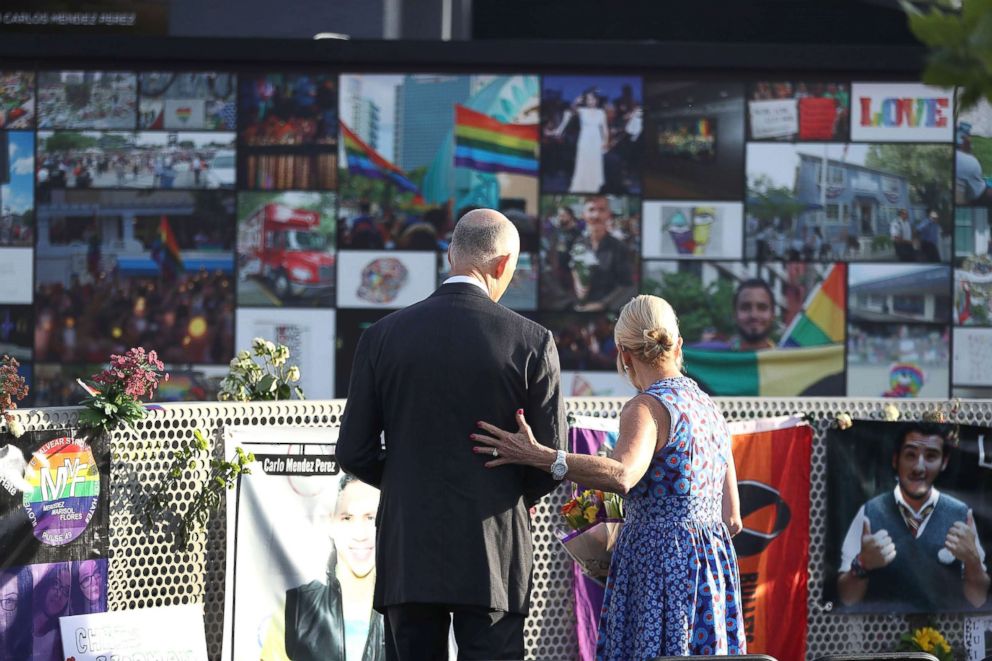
[857, 568]
[559, 468]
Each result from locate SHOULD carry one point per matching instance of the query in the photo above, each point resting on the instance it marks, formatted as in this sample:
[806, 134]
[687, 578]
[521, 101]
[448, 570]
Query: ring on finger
[495, 452]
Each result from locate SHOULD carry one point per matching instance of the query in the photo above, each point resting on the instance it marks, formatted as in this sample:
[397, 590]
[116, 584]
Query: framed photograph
[286, 251]
[901, 112]
[17, 100]
[172, 101]
[693, 230]
[17, 197]
[798, 110]
[91, 159]
[898, 360]
[162, 280]
[389, 280]
[87, 100]
[592, 128]
[694, 140]
[899, 293]
[309, 335]
[828, 202]
[589, 252]
[908, 485]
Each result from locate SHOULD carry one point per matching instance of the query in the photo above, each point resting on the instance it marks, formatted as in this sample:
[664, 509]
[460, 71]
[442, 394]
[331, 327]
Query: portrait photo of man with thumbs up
[913, 547]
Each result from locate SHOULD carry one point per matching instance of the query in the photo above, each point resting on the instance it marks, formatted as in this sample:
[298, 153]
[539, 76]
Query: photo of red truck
[285, 251]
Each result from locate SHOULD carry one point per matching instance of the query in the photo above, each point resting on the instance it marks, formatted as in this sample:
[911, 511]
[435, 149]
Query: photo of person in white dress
[591, 131]
[588, 173]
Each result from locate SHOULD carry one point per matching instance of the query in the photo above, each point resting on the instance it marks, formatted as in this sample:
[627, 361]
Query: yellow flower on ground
[929, 638]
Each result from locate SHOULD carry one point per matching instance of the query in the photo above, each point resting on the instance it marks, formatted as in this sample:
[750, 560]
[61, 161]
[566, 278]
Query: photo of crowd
[187, 101]
[827, 202]
[16, 100]
[898, 360]
[591, 130]
[17, 189]
[87, 100]
[796, 110]
[589, 252]
[419, 151]
[286, 249]
[153, 269]
[91, 159]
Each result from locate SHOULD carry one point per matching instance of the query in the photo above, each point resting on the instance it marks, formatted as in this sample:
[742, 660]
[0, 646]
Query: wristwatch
[559, 467]
[857, 568]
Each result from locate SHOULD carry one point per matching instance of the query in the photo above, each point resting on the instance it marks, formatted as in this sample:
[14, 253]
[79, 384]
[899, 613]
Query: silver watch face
[558, 470]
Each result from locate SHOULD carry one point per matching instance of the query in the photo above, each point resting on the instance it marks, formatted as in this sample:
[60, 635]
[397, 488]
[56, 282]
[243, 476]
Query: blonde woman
[673, 587]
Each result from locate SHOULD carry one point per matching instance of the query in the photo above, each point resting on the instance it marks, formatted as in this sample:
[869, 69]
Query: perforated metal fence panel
[147, 569]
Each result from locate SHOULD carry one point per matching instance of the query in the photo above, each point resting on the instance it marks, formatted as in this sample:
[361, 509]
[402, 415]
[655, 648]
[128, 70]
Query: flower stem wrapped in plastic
[593, 523]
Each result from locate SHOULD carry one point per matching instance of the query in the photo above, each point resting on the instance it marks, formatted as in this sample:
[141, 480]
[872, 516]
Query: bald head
[480, 238]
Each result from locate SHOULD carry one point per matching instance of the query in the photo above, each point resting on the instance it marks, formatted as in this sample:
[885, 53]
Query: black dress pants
[419, 632]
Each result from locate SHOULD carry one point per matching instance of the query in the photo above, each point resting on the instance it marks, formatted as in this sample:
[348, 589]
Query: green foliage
[270, 379]
[768, 202]
[881, 243]
[68, 141]
[222, 475]
[959, 38]
[103, 412]
[927, 169]
[701, 306]
[981, 148]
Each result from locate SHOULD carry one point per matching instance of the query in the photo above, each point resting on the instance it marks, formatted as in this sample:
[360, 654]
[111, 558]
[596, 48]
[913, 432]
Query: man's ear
[450, 265]
[501, 263]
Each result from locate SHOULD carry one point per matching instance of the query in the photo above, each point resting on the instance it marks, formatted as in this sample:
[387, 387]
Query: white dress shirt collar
[456, 279]
[932, 500]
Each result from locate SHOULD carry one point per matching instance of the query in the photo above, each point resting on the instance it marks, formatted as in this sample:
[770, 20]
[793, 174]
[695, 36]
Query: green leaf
[938, 29]
[267, 384]
[974, 11]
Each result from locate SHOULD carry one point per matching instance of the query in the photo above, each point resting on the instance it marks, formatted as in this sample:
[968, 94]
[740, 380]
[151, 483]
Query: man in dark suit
[453, 539]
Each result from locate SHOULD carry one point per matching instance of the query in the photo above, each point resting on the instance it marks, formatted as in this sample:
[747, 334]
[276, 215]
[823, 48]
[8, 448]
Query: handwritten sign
[773, 119]
[171, 632]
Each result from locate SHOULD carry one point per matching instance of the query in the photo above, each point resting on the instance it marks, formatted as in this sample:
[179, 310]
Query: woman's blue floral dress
[674, 587]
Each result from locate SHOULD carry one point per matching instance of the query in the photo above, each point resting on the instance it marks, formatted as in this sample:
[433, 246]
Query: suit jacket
[449, 530]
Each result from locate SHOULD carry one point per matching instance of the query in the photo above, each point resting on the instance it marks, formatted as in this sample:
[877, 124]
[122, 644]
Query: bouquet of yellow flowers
[926, 639]
[593, 521]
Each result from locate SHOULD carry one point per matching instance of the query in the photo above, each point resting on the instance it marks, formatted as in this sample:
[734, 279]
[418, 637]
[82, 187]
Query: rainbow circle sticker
[65, 490]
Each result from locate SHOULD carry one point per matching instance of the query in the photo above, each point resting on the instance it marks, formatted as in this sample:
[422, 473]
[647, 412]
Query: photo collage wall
[815, 237]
